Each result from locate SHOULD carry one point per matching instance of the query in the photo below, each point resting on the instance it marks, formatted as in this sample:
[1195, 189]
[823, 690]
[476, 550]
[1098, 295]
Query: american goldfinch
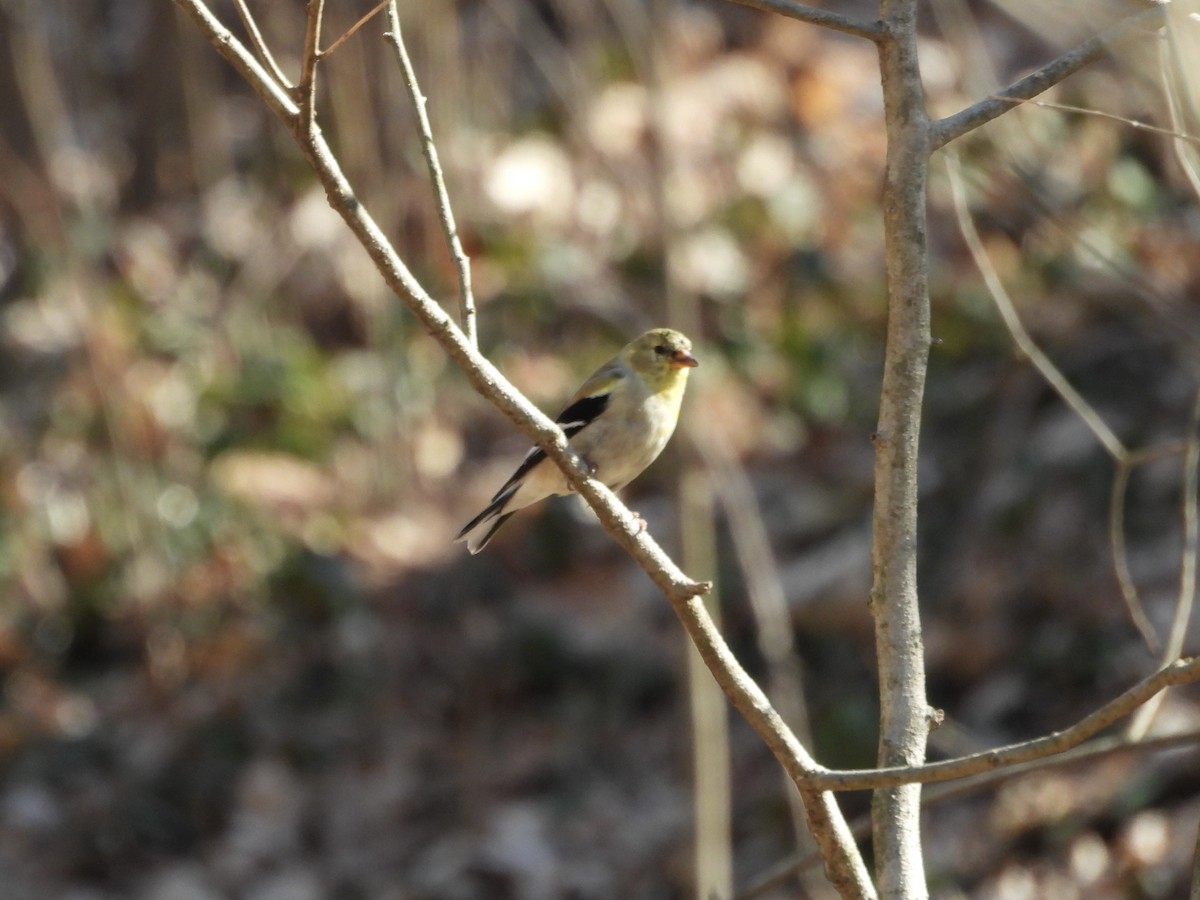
[619, 422]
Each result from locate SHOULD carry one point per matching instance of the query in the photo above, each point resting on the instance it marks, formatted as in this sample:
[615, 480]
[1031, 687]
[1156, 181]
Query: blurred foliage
[237, 646]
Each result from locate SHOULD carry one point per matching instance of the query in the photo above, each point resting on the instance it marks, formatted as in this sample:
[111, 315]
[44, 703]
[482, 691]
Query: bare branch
[779, 872]
[353, 29]
[1185, 599]
[1184, 671]
[1116, 541]
[260, 46]
[872, 31]
[490, 382]
[466, 299]
[1153, 454]
[307, 88]
[269, 91]
[1191, 535]
[1136, 124]
[904, 712]
[683, 593]
[1169, 58]
[1008, 312]
[766, 595]
[843, 862]
[1074, 400]
[955, 126]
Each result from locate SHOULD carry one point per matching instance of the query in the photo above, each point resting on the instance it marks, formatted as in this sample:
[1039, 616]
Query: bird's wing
[587, 405]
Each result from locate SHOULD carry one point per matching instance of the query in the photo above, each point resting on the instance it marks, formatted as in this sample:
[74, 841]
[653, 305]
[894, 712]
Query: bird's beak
[681, 360]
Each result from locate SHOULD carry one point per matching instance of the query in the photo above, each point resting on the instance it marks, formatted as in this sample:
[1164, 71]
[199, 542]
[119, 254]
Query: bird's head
[662, 356]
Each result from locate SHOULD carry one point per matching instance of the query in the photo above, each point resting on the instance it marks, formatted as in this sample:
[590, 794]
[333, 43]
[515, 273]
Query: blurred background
[239, 654]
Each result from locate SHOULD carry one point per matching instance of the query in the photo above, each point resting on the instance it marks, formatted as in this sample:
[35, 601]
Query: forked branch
[955, 126]
[1184, 671]
[306, 90]
[466, 299]
[843, 862]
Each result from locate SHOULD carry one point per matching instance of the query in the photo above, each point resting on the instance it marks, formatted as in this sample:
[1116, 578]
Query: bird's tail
[480, 529]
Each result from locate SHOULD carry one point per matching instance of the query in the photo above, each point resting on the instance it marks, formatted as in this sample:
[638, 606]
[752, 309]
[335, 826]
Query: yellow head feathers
[661, 356]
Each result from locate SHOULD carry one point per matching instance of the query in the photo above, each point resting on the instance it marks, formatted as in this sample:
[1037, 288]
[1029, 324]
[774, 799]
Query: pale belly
[629, 451]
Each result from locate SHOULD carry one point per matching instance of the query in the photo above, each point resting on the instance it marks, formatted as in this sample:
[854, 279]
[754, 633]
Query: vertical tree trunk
[904, 713]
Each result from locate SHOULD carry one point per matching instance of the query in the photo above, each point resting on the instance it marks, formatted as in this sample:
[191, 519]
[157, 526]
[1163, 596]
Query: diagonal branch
[955, 126]
[466, 299]
[353, 29]
[277, 99]
[1122, 457]
[1184, 671]
[842, 858]
[1028, 347]
[260, 46]
[872, 31]
[781, 871]
[1136, 124]
[486, 378]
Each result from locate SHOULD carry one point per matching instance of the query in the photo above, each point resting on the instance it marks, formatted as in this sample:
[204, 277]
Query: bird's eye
[661, 350]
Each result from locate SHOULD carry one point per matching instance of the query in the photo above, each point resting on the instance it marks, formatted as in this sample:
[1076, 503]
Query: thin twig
[1191, 536]
[260, 46]
[773, 629]
[1144, 455]
[1185, 599]
[872, 31]
[954, 126]
[1120, 555]
[353, 28]
[783, 870]
[466, 299]
[1020, 336]
[1170, 58]
[307, 88]
[1066, 391]
[1184, 671]
[1100, 114]
[280, 102]
[1180, 328]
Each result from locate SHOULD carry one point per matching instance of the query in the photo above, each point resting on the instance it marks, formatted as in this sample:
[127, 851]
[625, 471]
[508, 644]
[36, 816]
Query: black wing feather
[582, 413]
[573, 420]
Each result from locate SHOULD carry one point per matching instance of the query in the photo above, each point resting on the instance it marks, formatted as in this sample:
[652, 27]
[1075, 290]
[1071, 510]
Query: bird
[619, 421]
